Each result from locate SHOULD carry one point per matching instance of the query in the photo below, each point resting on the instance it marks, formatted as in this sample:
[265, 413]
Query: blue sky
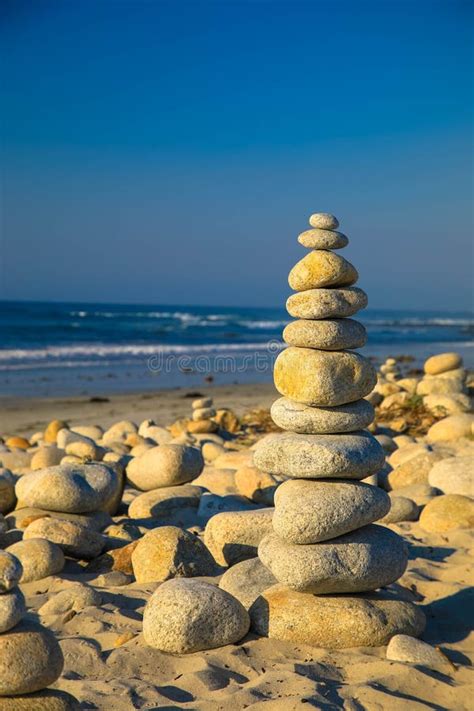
[171, 152]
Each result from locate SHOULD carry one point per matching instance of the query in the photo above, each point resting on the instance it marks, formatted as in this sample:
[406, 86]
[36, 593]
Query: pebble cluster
[324, 540]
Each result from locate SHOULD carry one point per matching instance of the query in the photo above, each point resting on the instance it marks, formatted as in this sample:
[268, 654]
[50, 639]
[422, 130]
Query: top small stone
[324, 221]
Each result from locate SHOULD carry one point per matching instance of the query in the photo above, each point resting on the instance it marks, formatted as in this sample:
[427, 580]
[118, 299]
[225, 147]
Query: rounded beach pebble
[170, 552]
[185, 616]
[324, 221]
[12, 609]
[447, 513]
[291, 415]
[323, 239]
[75, 540]
[30, 659]
[76, 598]
[355, 455]
[335, 622]
[10, 571]
[38, 557]
[72, 488]
[7, 491]
[442, 362]
[323, 378]
[166, 465]
[454, 475]
[159, 503]
[246, 580]
[233, 536]
[404, 648]
[362, 560]
[330, 335]
[313, 511]
[320, 268]
[451, 428]
[326, 303]
[402, 509]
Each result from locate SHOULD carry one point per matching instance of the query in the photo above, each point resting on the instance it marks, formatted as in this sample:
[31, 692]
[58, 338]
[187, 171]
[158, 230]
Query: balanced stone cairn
[203, 412]
[30, 657]
[324, 540]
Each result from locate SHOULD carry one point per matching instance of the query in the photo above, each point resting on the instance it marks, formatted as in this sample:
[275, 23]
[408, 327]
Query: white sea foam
[105, 351]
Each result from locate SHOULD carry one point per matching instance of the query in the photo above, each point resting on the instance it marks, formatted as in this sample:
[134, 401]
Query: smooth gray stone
[303, 419]
[313, 511]
[341, 456]
[369, 558]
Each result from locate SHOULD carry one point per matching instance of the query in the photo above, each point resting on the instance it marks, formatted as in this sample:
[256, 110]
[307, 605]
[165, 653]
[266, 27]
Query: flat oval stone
[186, 615]
[72, 488]
[313, 511]
[160, 503]
[320, 268]
[442, 363]
[324, 220]
[323, 239]
[333, 622]
[323, 378]
[294, 416]
[331, 335]
[300, 456]
[369, 558]
[326, 303]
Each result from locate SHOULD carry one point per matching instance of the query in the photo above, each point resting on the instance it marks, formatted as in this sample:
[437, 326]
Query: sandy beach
[27, 415]
[108, 664]
[269, 674]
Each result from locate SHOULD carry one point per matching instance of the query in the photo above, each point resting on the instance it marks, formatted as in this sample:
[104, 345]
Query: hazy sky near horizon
[171, 152]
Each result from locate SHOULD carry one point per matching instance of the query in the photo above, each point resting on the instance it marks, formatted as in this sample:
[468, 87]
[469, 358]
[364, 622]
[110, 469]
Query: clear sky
[171, 152]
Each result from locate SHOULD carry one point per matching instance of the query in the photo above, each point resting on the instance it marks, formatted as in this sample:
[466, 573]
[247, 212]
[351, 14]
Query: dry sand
[280, 675]
[23, 416]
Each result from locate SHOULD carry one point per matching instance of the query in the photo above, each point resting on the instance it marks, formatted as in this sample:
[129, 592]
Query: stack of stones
[68, 505]
[324, 540]
[30, 657]
[203, 412]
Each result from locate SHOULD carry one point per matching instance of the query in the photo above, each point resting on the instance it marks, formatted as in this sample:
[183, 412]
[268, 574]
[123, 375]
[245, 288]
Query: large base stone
[336, 622]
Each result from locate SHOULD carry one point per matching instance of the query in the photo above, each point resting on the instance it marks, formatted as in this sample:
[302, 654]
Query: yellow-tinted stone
[320, 268]
[448, 512]
[323, 378]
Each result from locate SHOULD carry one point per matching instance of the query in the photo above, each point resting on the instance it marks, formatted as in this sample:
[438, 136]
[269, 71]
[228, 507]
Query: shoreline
[26, 415]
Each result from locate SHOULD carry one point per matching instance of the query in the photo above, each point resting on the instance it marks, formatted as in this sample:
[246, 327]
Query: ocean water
[49, 349]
